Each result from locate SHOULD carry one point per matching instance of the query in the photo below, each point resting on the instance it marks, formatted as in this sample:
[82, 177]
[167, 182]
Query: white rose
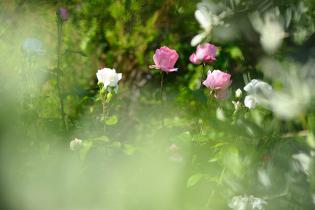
[271, 36]
[108, 77]
[256, 86]
[250, 102]
[271, 29]
[75, 144]
[259, 92]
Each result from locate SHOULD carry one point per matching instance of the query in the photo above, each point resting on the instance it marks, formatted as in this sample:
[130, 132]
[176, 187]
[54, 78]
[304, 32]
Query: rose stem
[58, 83]
[203, 70]
[161, 96]
[104, 111]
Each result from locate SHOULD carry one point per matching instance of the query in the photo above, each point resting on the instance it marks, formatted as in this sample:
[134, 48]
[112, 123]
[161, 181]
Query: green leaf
[111, 120]
[236, 53]
[109, 97]
[194, 179]
[218, 145]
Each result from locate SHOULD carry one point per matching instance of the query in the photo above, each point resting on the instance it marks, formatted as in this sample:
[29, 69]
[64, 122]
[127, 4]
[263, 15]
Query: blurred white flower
[297, 87]
[304, 160]
[238, 203]
[270, 28]
[272, 35]
[264, 177]
[258, 93]
[108, 77]
[289, 103]
[208, 16]
[257, 203]
[32, 46]
[257, 87]
[75, 144]
[250, 102]
[247, 203]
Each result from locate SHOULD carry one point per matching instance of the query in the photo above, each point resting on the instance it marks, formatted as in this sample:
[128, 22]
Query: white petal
[203, 18]
[249, 88]
[304, 160]
[250, 102]
[106, 84]
[197, 39]
[100, 76]
[256, 21]
[263, 88]
[119, 76]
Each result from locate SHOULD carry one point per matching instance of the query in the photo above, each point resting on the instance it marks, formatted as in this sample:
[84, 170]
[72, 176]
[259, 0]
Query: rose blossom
[219, 82]
[258, 93]
[75, 144]
[256, 86]
[108, 77]
[165, 59]
[204, 53]
[250, 102]
[63, 13]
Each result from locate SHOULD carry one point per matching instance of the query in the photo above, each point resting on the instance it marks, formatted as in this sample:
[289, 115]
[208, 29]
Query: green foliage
[111, 120]
[194, 179]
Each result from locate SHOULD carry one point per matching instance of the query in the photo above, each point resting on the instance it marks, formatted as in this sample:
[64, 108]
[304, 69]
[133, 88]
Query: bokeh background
[190, 152]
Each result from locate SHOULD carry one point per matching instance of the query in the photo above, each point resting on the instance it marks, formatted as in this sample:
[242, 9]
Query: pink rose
[219, 82]
[63, 12]
[205, 53]
[165, 59]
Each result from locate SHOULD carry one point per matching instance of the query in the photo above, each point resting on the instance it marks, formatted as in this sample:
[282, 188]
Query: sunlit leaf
[111, 120]
[194, 179]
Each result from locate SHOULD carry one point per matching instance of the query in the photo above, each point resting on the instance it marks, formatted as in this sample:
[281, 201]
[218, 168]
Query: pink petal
[165, 59]
[194, 59]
